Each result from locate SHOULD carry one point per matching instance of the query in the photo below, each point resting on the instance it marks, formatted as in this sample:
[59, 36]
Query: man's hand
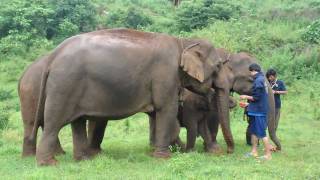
[243, 104]
[246, 97]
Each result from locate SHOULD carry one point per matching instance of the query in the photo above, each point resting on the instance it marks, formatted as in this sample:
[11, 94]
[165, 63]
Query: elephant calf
[195, 115]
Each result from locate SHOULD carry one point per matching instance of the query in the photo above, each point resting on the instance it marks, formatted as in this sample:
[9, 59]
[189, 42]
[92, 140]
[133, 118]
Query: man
[257, 111]
[278, 88]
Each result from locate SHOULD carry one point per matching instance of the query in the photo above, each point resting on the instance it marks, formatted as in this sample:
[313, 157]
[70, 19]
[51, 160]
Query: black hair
[271, 72]
[255, 67]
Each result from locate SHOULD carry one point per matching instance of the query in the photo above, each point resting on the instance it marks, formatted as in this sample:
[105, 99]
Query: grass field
[126, 150]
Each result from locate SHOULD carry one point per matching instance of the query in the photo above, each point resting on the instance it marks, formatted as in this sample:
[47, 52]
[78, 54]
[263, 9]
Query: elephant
[29, 90]
[195, 114]
[196, 109]
[188, 117]
[115, 73]
[236, 66]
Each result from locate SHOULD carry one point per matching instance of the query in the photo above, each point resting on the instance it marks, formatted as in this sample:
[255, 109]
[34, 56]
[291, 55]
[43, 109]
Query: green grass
[126, 150]
[269, 29]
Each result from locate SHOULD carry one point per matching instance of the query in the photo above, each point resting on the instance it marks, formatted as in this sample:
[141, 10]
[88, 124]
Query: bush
[130, 18]
[198, 13]
[312, 33]
[24, 24]
[78, 15]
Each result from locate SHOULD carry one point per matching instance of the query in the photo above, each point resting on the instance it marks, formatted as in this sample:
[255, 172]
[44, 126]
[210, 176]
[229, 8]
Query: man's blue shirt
[278, 85]
[260, 103]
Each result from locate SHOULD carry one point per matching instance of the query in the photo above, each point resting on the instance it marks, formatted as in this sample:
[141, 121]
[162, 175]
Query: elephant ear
[191, 62]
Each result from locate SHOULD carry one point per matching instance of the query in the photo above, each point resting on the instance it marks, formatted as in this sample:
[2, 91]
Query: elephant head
[237, 78]
[199, 60]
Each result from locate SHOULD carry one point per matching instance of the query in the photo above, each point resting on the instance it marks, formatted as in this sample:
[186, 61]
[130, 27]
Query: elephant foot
[29, 148]
[28, 153]
[278, 148]
[189, 150]
[48, 162]
[82, 157]
[230, 150]
[95, 151]
[215, 149]
[161, 154]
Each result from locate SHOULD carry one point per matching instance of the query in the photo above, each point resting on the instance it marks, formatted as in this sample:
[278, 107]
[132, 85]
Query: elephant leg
[79, 136]
[152, 129]
[192, 132]
[46, 149]
[166, 123]
[96, 130]
[29, 145]
[180, 144]
[213, 128]
[210, 146]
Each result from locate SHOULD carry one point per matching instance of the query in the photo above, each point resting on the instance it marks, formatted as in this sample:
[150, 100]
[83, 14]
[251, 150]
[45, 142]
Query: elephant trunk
[222, 98]
[272, 119]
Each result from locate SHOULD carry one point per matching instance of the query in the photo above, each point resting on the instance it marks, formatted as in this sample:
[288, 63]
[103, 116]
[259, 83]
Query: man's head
[254, 69]
[271, 75]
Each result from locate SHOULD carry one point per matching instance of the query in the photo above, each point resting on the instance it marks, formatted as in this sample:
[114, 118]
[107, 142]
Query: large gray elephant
[112, 74]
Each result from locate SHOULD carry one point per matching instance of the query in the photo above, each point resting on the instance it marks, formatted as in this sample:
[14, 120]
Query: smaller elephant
[194, 115]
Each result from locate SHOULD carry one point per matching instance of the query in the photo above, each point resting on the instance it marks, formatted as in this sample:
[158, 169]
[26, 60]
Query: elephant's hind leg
[79, 136]
[96, 130]
[29, 145]
[47, 146]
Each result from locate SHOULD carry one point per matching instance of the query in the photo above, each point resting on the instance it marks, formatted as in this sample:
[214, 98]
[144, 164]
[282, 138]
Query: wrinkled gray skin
[112, 74]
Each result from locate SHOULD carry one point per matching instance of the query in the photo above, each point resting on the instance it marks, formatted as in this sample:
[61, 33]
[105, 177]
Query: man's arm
[282, 89]
[280, 92]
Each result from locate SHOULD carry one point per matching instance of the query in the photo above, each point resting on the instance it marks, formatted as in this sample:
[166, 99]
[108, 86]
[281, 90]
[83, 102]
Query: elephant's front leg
[96, 130]
[213, 126]
[165, 125]
[210, 145]
[79, 136]
[192, 131]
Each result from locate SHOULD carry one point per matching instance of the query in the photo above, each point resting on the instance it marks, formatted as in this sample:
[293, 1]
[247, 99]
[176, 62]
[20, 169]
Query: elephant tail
[40, 106]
